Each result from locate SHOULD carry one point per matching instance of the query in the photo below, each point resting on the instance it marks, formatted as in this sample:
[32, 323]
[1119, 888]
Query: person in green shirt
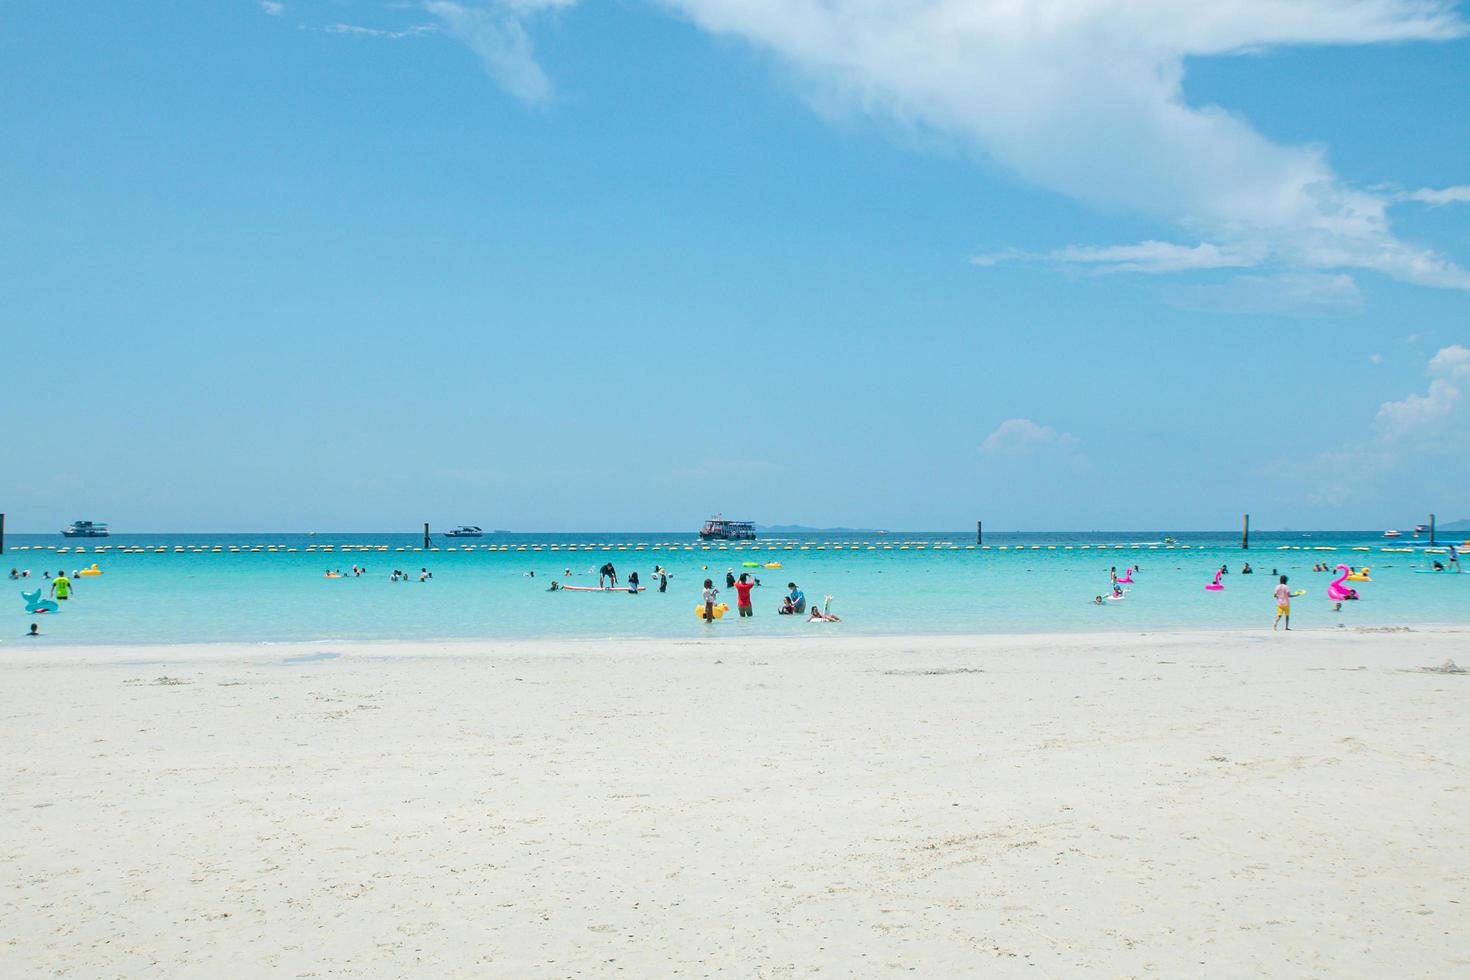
[61, 586]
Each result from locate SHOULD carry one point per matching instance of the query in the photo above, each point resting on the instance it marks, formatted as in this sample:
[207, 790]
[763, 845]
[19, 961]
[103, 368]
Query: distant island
[1461, 525]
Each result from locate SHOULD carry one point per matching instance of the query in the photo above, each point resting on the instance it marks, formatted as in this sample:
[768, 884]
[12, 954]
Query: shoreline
[21, 650]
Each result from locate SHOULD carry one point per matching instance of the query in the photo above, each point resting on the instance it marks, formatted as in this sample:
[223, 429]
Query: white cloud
[1375, 358]
[383, 33]
[494, 31]
[1410, 432]
[1023, 437]
[1086, 98]
[272, 7]
[1417, 415]
[1436, 198]
[1146, 256]
[1284, 294]
[1451, 363]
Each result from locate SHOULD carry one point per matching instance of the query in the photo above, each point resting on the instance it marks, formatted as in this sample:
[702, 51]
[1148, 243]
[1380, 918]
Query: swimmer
[1097, 600]
[554, 586]
[729, 578]
[1438, 565]
[663, 581]
[633, 582]
[1283, 604]
[710, 594]
[14, 574]
[1246, 569]
[35, 630]
[821, 616]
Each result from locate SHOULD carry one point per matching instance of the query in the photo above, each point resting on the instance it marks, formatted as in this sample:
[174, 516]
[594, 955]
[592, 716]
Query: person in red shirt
[742, 595]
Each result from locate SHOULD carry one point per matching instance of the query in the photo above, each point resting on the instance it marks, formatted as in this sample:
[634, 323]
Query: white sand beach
[1189, 804]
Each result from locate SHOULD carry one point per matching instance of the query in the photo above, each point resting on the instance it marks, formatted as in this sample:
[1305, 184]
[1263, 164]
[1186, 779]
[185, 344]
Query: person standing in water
[1283, 604]
[742, 596]
[608, 573]
[663, 580]
[61, 586]
[633, 582]
[710, 594]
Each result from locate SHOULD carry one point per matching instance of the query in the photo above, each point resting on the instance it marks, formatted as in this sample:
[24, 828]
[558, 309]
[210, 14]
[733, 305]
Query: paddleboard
[593, 588]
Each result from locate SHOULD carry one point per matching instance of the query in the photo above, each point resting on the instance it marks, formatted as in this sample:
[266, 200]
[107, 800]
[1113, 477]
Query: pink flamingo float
[1337, 592]
[1215, 586]
[1127, 577]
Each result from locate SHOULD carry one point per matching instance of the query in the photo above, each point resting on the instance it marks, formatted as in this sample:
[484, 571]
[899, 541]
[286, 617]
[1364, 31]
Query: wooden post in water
[2, 534]
[1245, 532]
[979, 532]
[1431, 530]
[426, 537]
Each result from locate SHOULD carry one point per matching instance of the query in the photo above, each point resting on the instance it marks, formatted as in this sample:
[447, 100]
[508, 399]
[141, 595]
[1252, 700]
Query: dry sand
[1221, 804]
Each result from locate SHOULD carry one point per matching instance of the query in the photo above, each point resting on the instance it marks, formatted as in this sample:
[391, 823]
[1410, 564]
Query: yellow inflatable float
[1361, 575]
[720, 609]
[771, 564]
[94, 570]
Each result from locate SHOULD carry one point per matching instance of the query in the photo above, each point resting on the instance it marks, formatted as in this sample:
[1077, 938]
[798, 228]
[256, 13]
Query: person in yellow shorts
[1283, 604]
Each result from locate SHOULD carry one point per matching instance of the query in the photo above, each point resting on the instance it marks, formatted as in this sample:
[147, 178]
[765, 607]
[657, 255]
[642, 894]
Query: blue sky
[548, 264]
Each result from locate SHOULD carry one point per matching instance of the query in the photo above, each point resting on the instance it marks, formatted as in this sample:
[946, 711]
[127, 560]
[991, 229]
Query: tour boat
[465, 531]
[85, 529]
[719, 529]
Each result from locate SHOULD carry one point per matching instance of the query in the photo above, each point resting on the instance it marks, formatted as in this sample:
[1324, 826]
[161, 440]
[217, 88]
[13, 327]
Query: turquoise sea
[183, 588]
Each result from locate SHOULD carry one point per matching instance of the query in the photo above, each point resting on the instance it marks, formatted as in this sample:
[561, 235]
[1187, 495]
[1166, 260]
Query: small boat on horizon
[85, 529]
[1392, 534]
[465, 531]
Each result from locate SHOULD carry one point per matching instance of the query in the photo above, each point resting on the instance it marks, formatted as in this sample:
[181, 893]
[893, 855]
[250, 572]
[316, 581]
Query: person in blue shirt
[795, 602]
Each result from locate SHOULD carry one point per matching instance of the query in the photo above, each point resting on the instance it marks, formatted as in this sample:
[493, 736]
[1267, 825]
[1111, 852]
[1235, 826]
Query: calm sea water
[898, 583]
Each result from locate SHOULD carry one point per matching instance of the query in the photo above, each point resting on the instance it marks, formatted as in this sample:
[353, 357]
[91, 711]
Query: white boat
[465, 531]
[1391, 534]
[85, 529]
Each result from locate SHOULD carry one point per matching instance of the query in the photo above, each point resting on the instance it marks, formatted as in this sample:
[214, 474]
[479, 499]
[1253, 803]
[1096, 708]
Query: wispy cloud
[1284, 294]
[1087, 99]
[382, 33]
[272, 7]
[1023, 437]
[495, 32]
[1146, 256]
[1436, 198]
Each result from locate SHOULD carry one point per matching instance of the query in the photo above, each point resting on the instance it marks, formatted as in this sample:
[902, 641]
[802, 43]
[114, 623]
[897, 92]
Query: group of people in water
[793, 603]
[399, 575]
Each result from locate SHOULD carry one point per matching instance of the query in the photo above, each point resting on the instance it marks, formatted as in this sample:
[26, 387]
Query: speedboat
[1391, 534]
[465, 531]
[85, 529]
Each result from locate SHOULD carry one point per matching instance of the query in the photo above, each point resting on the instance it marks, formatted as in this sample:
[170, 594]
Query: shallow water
[898, 583]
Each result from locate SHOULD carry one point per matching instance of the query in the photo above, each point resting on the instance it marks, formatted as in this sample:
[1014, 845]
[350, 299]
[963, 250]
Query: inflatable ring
[771, 564]
[1360, 576]
[720, 609]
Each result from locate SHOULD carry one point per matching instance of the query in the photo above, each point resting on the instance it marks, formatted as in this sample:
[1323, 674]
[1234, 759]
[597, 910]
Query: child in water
[710, 594]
